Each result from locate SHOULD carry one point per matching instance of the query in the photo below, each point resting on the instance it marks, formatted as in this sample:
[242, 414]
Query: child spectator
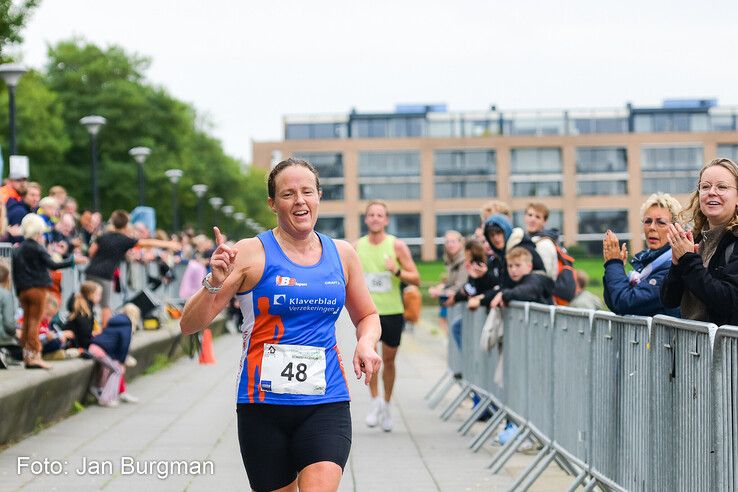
[526, 286]
[110, 349]
[81, 320]
[484, 275]
[585, 299]
[54, 339]
[7, 313]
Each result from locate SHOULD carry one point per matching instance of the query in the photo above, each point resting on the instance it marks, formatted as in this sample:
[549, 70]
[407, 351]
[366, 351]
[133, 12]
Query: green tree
[109, 82]
[13, 17]
[41, 134]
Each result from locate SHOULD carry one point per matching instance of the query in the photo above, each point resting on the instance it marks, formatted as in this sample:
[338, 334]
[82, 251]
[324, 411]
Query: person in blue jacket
[110, 348]
[638, 293]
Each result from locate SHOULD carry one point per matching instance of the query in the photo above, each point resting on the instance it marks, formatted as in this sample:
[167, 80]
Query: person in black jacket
[81, 320]
[703, 281]
[30, 266]
[526, 285]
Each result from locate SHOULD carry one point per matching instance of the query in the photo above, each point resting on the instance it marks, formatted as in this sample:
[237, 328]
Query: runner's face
[296, 199]
[376, 218]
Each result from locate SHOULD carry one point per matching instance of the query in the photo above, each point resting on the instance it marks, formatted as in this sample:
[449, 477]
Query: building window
[594, 223]
[466, 224]
[385, 164]
[389, 191]
[465, 173]
[536, 161]
[671, 122]
[670, 169]
[313, 131]
[331, 226]
[729, 151]
[526, 167]
[601, 160]
[389, 175]
[599, 125]
[391, 127]
[672, 185]
[555, 219]
[330, 170]
[602, 187]
[536, 188]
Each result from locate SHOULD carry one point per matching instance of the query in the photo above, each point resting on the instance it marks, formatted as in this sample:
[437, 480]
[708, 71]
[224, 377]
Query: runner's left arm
[363, 314]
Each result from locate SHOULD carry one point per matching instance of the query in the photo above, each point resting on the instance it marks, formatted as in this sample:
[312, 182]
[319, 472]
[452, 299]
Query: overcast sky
[245, 64]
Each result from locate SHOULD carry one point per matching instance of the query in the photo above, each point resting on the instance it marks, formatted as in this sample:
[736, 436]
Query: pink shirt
[192, 279]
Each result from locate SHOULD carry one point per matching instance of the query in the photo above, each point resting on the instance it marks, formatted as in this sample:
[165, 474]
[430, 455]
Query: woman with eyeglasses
[637, 292]
[703, 279]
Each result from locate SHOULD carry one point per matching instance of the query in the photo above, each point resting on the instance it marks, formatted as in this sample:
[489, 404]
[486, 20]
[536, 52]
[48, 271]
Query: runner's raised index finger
[218, 237]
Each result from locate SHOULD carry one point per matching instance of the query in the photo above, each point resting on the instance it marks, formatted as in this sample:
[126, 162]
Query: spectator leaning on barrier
[637, 293]
[455, 276]
[108, 251]
[705, 283]
[30, 265]
[525, 284]
[583, 298]
[483, 276]
[536, 216]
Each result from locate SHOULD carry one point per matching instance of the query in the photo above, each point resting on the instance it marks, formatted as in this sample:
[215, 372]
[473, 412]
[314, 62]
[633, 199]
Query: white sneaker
[386, 417]
[110, 404]
[375, 411]
[127, 398]
[131, 361]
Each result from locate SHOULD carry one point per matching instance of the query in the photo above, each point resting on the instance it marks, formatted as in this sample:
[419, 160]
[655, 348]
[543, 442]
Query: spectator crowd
[50, 238]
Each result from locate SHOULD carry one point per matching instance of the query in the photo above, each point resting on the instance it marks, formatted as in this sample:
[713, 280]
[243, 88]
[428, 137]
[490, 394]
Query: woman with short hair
[30, 266]
[637, 293]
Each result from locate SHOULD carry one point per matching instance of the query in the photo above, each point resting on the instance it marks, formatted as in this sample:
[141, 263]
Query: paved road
[187, 414]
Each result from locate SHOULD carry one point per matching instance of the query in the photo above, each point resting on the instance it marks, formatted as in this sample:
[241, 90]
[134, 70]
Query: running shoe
[126, 397]
[386, 417]
[375, 411]
[508, 433]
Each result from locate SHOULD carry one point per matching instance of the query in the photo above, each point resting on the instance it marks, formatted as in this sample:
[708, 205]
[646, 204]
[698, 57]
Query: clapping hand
[611, 249]
[222, 260]
[681, 242]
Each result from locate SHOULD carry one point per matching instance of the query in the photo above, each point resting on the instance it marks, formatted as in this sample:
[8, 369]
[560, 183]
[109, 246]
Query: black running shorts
[392, 326]
[278, 441]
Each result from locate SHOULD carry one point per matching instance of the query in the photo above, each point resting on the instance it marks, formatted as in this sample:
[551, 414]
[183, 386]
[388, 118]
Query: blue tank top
[289, 321]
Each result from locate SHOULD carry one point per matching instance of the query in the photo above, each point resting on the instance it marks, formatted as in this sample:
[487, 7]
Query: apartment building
[436, 168]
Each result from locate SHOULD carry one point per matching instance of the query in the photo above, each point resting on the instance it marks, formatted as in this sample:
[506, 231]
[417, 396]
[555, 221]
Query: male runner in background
[386, 262]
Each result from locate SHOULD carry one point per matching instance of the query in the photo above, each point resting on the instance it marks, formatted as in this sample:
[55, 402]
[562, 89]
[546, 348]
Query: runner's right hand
[222, 260]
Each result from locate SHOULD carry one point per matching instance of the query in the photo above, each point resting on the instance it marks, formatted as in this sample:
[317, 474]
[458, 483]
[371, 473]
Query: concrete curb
[32, 398]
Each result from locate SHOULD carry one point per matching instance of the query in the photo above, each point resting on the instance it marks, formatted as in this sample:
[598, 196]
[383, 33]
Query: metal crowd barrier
[453, 358]
[619, 403]
[725, 400]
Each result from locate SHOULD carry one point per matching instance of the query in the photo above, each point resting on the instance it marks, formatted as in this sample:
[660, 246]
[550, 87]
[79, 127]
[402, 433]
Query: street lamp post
[239, 218]
[93, 123]
[215, 202]
[174, 176]
[140, 154]
[199, 190]
[11, 74]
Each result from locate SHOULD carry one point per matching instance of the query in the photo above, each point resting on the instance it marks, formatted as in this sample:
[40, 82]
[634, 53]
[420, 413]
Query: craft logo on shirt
[288, 282]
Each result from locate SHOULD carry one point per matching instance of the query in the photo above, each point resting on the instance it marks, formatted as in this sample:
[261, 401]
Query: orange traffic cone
[206, 348]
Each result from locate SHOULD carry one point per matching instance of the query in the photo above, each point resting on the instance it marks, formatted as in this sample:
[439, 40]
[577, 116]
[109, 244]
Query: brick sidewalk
[187, 413]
